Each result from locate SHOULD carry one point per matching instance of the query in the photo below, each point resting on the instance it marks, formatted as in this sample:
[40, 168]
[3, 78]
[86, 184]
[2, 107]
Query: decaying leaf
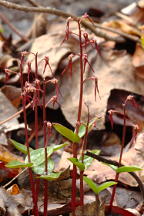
[8, 204]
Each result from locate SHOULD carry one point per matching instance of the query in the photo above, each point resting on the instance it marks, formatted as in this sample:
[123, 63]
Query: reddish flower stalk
[82, 156]
[74, 173]
[32, 183]
[130, 98]
[36, 101]
[24, 99]
[120, 158]
[45, 149]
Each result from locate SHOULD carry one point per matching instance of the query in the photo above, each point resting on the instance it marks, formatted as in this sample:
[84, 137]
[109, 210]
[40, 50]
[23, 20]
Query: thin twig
[15, 114]
[33, 3]
[115, 163]
[12, 27]
[62, 14]
[7, 184]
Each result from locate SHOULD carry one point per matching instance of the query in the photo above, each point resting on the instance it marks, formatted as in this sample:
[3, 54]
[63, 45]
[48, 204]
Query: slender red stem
[82, 156]
[32, 183]
[45, 148]
[120, 158]
[74, 173]
[21, 71]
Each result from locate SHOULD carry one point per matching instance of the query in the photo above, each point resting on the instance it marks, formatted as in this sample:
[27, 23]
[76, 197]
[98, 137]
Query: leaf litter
[118, 73]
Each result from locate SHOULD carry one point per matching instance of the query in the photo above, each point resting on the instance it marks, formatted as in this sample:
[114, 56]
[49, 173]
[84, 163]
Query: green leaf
[18, 164]
[75, 161]
[111, 166]
[98, 188]
[127, 169]
[82, 130]
[20, 147]
[1, 30]
[40, 169]
[51, 176]
[64, 131]
[57, 147]
[105, 185]
[91, 124]
[38, 156]
[91, 184]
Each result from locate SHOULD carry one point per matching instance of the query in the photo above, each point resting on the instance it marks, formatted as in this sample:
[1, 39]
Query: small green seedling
[98, 188]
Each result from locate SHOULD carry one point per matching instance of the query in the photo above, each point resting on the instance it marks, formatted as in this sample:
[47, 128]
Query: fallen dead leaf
[6, 110]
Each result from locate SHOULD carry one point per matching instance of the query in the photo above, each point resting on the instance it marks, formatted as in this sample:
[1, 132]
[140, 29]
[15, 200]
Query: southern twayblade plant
[84, 42]
[129, 99]
[31, 92]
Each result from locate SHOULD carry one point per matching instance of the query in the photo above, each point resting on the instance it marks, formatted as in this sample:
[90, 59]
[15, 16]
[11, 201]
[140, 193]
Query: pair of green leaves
[37, 160]
[98, 188]
[122, 169]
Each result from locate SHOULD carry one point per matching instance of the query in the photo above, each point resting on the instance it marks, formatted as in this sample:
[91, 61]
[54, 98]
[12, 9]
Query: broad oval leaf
[20, 147]
[79, 164]
[37, 156]
[127, 169]
[64, 131]
[18, 164]
[40, 169]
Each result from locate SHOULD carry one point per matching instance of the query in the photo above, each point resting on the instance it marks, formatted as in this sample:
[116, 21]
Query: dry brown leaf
[138, 57]
[135, 12]
[7, 156]
[50, 45]
[13, 94]
[13, 190]
[6, 110]
[100, 172]
[123, 26]
[114, 74]
[138, 63]
[39, 26]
